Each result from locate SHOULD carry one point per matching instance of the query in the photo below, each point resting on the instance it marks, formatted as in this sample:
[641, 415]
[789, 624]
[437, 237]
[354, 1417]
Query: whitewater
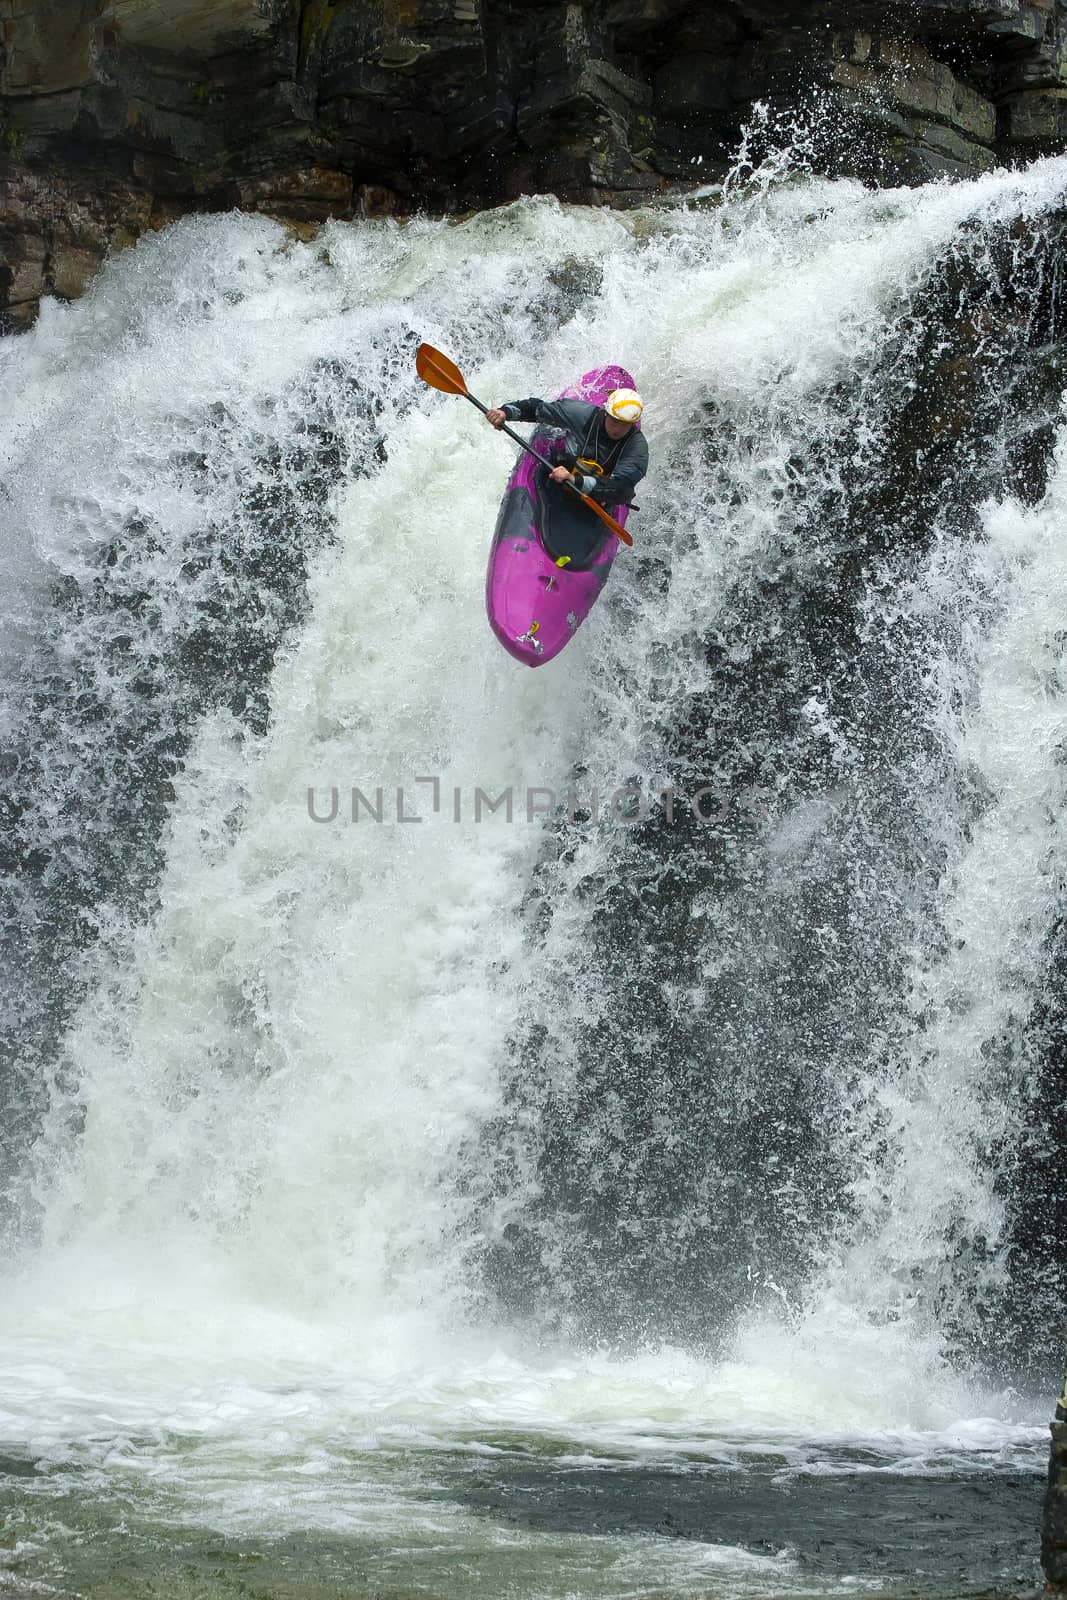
[552, 1204]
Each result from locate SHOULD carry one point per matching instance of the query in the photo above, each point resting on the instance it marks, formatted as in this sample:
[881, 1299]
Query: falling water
[379, 1190]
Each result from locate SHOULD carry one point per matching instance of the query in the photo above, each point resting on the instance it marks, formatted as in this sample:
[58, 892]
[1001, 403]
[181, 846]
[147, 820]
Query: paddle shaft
[530, 451]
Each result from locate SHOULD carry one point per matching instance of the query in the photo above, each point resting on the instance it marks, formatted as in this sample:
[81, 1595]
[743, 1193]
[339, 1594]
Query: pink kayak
[551, 555]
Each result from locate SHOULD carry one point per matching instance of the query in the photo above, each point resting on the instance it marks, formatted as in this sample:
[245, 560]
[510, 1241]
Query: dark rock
[306, 194]
[56, 228]
[1054, 1521]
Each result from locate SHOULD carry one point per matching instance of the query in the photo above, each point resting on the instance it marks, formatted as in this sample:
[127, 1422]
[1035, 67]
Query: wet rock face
[55, 229]
[119, 114]
[1054, 1522]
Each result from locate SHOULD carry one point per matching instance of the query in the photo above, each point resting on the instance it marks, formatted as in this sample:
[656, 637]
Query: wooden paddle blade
[605, 516]
[436, 370]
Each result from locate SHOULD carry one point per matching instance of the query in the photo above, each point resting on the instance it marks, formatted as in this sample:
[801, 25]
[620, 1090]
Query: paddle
[440, 373]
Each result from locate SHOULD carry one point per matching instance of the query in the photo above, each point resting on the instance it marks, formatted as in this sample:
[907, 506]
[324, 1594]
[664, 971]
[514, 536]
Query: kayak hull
[551, 556]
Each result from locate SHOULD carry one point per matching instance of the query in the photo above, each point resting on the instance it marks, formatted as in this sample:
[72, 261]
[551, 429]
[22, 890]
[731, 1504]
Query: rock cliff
[117, 115]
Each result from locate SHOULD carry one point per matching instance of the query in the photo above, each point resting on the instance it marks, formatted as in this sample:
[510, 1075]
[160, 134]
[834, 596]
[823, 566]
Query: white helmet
[625, 405]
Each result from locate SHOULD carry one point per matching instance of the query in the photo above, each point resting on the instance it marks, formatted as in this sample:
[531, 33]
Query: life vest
[588, 457]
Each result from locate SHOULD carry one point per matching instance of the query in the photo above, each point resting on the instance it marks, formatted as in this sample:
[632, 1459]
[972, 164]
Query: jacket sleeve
[620, 487]
[537, 410]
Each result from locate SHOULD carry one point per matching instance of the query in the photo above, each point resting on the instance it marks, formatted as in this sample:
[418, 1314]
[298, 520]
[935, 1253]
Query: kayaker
[608, 453]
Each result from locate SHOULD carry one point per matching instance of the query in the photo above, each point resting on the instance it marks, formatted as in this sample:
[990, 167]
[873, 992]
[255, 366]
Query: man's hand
[496, 417]
[561, 475]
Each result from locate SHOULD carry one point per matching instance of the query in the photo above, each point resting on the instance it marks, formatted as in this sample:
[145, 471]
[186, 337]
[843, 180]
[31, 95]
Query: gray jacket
[625, 461]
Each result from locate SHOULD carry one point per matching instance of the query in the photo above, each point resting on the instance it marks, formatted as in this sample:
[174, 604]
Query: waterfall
[708, 1114]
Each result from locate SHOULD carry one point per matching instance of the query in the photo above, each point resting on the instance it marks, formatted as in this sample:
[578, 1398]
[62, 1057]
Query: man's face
[614, 428]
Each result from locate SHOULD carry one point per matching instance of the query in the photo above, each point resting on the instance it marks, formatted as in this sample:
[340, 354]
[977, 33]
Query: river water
[618, 1199]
